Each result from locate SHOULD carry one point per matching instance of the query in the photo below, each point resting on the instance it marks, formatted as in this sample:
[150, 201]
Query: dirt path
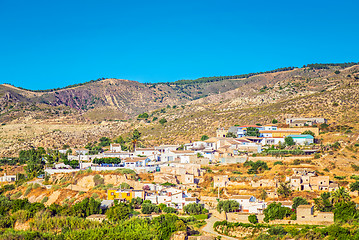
[209, 228]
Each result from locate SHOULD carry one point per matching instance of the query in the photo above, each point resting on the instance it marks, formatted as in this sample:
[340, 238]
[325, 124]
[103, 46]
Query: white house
[81, 151]
[135, 162]
[148, 152]
[172, 197]
[273, 140]
[305, 139]
[175, 155]
[270, 127]
[249, 204]
[8, 178]
[115, 147]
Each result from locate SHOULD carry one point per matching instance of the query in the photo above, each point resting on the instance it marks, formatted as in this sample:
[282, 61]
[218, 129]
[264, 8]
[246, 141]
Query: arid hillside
[58, 117]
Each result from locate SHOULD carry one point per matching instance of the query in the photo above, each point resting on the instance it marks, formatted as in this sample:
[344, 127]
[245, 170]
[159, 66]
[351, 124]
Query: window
[128, 194]
[112, 193]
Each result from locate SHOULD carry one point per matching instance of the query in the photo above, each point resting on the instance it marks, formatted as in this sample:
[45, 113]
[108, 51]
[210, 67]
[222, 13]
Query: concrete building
[115, 147]
[249, 204]
[302, 139]
[300, 122]
[8, 178]
[220, 181]
[305, 213]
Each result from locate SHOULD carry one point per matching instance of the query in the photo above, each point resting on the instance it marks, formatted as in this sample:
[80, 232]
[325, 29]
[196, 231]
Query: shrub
[317, 155]
[22, 215]
[355, 167]
[163, 121]
[44, 199]
[201, 216]
[276, 230]
[98, 180]
[28, 190]
[194, 209]
[278, 163]
[169, 210]
[16, 195]
[227, 206]
[253, 219]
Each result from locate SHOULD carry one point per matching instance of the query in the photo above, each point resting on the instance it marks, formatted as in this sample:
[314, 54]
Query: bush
[22, 215]
[169, 210]
[227, 206]
[98, 180]
[28, 190]
[163, 121]
[194, 209]
[276, 230]
[317, 155]
[276, 211]
[253, 219]
[201, 216]
[278, 163]
[16, 195]
[148, 208]
[44, 199]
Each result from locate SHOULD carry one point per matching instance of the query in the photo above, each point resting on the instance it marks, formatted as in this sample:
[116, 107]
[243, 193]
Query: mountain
[79, 114]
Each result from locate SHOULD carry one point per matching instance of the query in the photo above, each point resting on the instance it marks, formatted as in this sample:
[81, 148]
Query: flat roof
[305, 206]
[241, 197]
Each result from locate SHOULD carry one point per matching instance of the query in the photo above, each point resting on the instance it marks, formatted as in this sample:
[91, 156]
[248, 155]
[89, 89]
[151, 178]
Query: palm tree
[134, 142]
[136, 135]
[340, 195]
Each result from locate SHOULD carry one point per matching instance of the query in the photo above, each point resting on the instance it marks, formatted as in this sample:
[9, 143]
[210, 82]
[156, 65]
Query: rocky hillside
[80, 114]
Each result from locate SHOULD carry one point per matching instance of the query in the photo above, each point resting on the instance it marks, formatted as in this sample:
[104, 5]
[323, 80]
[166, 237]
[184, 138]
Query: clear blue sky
[48, 44]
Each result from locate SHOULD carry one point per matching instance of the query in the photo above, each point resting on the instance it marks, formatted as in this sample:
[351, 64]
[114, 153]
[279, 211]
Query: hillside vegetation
[175, 113]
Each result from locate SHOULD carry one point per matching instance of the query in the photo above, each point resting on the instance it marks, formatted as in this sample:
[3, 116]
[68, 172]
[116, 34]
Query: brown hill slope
[330, 92]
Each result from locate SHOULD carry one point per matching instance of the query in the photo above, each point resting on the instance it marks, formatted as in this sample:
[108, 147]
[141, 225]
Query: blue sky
[48, 44]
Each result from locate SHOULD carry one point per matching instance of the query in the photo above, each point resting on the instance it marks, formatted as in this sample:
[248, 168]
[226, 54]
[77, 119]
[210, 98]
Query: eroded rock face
[179, 236]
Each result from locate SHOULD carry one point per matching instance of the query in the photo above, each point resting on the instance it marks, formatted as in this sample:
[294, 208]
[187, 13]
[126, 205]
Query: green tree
[345, 211]
[118, 212]
[253, 219]
[289, 141]
[194, 209]
[148, 208]
[323, 203]
[354, 186]
[136, 202]
[231, 135]
[143, 115]
[274, 121]
[169, 210]
[125, 186]
[276, 211]
[204, 138]
[163, 121]
[263, 195]
[227, 206]
[324, 126]
[308, 132]
[104, 141]
[256, 167]
[284, 189]
[34, 160]
[135, 138]
[340, 195]
[253, 132]
[299, 201]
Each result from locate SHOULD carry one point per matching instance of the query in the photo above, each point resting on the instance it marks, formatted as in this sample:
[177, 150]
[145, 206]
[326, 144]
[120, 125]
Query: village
[182, 175]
